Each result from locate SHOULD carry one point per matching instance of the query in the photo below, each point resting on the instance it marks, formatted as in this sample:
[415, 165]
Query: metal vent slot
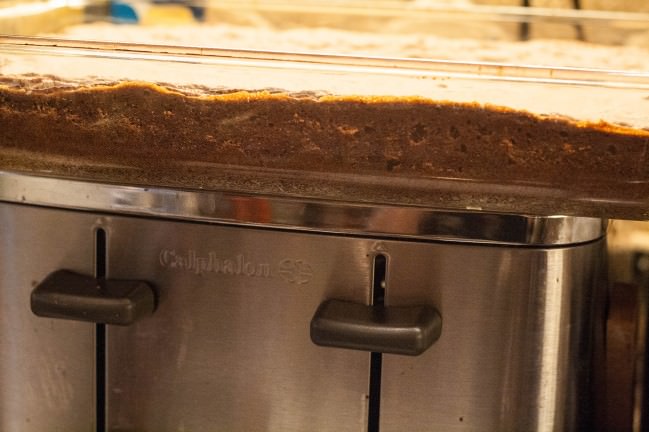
[100, 334]
[376, 358]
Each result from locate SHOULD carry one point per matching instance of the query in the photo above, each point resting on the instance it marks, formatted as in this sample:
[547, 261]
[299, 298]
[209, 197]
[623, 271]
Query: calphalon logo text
[211, 263]
[293, 271]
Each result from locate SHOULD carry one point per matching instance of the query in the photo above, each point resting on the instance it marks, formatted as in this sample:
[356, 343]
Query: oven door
[47, 366]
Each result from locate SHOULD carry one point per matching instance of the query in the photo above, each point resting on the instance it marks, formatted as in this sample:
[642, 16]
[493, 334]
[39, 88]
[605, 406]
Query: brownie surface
[165, 135]
[142, 124]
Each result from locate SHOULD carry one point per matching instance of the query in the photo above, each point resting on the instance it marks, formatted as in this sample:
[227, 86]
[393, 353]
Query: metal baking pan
[592, 85]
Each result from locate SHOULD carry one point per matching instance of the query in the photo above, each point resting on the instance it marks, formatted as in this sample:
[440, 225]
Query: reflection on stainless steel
[296, 214]
[46, 366]
[229, 348]
[516, 347]
[514, 352]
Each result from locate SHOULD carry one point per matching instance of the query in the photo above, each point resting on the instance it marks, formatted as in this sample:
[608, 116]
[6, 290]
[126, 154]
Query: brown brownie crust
[145, 125]
[389, 150]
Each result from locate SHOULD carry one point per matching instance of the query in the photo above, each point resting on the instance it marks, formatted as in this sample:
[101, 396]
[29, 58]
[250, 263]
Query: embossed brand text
[190, 261]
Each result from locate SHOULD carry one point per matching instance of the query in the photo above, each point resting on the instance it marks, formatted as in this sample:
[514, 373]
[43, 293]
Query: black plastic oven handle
[68, 295]
[407, 330]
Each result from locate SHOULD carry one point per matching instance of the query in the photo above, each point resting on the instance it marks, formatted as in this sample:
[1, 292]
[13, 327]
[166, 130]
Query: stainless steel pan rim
[341, 217]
